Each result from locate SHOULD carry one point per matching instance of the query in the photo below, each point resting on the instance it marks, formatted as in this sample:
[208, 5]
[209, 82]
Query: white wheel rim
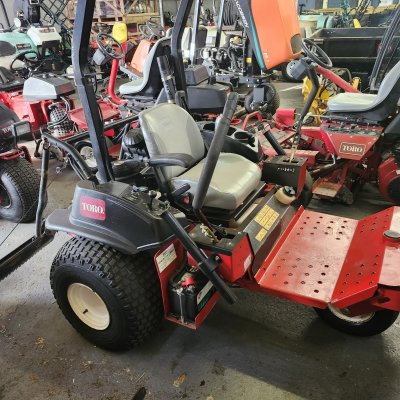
[88, 306]
[342, 314]
[87, 154]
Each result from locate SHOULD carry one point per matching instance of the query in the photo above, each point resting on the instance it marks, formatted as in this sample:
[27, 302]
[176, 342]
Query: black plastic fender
[114, 215]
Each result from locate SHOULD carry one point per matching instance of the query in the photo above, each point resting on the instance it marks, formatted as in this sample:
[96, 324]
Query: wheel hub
[344, 314]
[87, 154]
[88, 306]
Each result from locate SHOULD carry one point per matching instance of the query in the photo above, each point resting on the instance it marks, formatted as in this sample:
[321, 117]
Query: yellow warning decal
[260, 235]
[249, 60]
[266, 218]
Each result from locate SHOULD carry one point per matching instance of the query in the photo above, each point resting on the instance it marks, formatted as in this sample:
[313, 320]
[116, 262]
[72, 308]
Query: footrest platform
[323, 259]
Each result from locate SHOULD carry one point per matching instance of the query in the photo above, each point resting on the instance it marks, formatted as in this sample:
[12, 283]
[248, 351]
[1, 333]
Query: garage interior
[261, 347]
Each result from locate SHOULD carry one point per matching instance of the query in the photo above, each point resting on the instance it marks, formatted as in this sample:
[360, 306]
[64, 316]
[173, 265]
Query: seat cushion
[351, 102]
[234, 179]
[132, 87]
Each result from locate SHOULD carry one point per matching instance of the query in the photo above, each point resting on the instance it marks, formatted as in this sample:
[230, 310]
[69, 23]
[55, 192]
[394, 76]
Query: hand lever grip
[215, 149]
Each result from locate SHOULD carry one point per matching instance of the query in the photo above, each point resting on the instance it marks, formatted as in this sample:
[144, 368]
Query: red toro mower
[211, 228]
[358, 140]
[44, 100]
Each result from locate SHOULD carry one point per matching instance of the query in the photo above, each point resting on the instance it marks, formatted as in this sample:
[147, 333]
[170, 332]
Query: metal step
[327, 259]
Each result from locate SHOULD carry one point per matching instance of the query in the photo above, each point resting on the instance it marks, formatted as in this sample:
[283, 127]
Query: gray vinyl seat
[168, 129]
[139, 83]
[376, 107]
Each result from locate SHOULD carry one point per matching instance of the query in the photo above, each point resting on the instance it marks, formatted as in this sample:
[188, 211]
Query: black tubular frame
[195, 29]
[3, 8]
[80, 40]
[176, 43]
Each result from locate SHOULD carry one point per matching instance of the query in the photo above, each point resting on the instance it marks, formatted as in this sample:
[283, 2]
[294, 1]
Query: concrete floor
[260, 348]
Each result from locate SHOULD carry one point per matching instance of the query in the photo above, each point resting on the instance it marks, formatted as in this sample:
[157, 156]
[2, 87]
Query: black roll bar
[176, 43]
[80, 46]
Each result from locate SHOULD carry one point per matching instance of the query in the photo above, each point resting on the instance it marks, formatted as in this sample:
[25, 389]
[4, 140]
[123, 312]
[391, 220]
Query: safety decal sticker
[165, 258]
[266, 218]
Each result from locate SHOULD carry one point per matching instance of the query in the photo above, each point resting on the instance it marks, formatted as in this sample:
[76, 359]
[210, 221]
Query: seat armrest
[172, 160]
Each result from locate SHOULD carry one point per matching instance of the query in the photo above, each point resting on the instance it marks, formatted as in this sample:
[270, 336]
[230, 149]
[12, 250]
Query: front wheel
[269, 106]
[361, 325]
[19, 190]
[85, 149]
[112, 299]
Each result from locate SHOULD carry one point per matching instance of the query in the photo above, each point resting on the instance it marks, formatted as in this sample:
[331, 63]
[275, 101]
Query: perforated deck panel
[330, 259]
[362, 267]
[307, 266]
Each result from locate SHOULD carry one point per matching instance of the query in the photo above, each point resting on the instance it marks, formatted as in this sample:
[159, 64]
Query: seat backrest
[387, 97]
[168, 128]
[389, 91]
[140, 56]
[150, 60]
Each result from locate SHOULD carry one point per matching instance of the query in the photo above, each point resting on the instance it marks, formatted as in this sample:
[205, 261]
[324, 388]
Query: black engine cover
[206, 98]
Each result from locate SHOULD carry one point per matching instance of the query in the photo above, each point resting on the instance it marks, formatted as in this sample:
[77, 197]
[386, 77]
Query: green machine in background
[29, 42]
[13, 41]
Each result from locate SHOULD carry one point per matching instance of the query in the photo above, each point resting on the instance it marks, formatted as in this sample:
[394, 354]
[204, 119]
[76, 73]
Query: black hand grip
[230, 105]
[163, 66]
[214, 151]
[166, 77]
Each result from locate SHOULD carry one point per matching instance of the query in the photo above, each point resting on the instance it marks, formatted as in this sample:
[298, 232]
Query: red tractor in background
[44, 100]
[358, 140]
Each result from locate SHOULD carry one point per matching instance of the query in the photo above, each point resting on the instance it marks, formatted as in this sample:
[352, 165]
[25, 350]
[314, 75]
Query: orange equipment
[140, 55]
[273, 29]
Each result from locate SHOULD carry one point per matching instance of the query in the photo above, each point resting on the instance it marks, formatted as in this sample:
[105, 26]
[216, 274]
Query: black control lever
[271, 139]
[207, 265]
[167, 78]
[312, 75]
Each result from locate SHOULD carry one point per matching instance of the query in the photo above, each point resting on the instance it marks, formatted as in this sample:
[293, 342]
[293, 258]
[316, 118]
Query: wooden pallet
[111, 11]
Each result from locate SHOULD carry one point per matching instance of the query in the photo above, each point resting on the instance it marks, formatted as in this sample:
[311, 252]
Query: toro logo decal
[92, 208]
[354, 149]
